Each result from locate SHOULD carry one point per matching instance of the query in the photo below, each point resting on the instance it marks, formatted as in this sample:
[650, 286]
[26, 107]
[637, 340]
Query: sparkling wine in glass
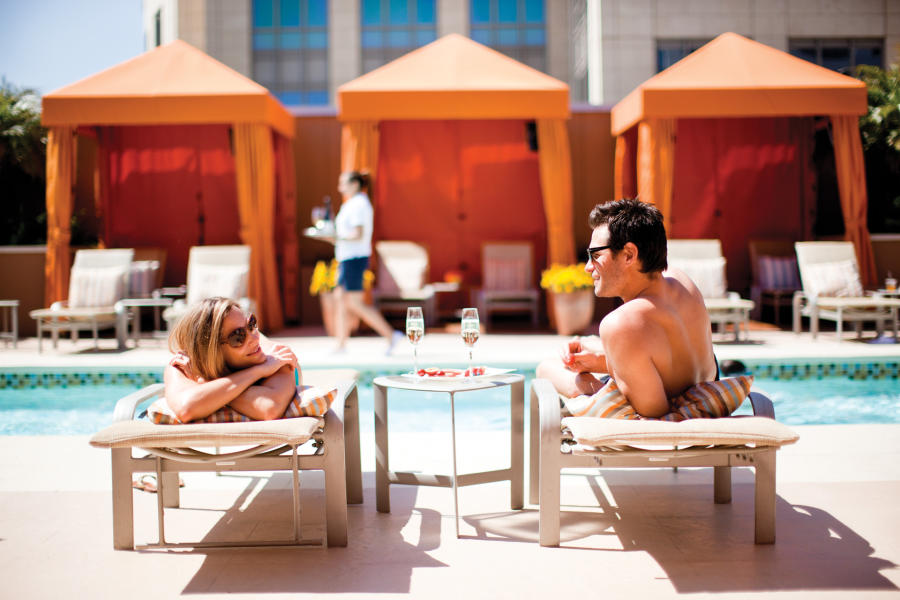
[415, 331]
[469, 330]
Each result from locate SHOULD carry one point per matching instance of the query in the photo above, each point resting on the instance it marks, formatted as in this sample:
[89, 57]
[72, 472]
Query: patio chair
[558, 443]
[832, 290]
[98, 279]
[507, 281]
[400, 279]
[775, 276]
[212, 271]
[332, 443]
[703, 262]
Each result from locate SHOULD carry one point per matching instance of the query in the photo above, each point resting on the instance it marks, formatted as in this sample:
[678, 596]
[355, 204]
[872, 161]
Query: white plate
[488, 372]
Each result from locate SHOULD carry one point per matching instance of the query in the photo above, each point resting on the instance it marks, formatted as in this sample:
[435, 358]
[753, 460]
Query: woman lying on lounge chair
[222, 359]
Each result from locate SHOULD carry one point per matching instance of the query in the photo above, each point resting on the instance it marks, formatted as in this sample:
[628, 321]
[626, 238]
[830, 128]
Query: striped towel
[309, 401]
[707, 400]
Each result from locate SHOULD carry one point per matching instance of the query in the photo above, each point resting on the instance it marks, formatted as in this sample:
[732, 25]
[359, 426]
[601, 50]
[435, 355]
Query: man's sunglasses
[236, 338]
[592, 252]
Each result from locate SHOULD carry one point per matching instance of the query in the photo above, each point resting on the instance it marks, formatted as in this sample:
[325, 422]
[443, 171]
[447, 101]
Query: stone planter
[571, 312]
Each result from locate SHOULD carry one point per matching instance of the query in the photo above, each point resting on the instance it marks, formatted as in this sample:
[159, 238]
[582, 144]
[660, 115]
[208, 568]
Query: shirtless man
[656, 344]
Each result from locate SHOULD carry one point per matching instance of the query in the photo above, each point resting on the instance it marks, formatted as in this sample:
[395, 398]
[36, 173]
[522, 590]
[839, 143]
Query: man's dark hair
[630, 220]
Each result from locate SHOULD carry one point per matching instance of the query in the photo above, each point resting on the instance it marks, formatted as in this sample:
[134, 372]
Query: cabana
[444, 130]
[190, 152]
[721, 142]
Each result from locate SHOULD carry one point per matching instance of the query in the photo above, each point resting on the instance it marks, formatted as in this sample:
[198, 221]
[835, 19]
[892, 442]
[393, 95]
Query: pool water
[85, 409]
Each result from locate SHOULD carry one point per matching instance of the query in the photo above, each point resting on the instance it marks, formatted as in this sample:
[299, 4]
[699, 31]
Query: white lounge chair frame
[200, 258]
[730, 309]
[401, 279]
[337, 454]
[552, 449]
[855, 310]
[60, 317]
[493, 297]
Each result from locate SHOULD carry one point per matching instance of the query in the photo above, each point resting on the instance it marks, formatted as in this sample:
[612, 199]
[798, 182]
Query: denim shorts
[350, 273]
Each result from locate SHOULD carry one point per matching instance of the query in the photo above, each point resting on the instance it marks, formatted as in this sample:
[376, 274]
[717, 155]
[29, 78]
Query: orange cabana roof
[453, 78]
[733, 76]
[172, 84]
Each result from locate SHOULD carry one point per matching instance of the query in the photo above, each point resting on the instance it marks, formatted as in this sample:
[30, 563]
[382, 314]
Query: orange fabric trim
[851, 176]
[453, 78]
[172, 84]
[61, 157]
[555, 163]
[733, 76]
[656, 160]
[255, 174]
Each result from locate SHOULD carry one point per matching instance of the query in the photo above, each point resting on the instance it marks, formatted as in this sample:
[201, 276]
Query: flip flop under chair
[261, 446]
[559, 442]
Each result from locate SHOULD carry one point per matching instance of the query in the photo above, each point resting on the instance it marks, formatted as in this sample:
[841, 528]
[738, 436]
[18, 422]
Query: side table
[10, 322]
[384, 477]
[130, 308]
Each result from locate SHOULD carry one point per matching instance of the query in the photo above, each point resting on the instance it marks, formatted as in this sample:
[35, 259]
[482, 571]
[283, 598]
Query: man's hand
[578, 358]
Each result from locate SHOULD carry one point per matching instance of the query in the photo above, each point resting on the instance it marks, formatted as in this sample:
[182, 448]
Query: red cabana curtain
[851, 176]
[655, 164]
[453, 185]
[556, 185]
[169, 187]
[61, 151]
[625, 178]
[288, 247]
[255, 174]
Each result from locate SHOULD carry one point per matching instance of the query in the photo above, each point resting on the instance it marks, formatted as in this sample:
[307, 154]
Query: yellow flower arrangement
[566, 278]
[324, 278]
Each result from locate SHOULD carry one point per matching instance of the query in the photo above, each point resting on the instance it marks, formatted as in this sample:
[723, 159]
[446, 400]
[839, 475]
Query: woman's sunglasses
[236, 338]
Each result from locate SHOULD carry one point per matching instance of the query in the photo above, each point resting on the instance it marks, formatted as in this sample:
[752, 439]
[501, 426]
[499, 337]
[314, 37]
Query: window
[157, 28]
[391, 28]
[516, 28]
[290, 49]
[669, 52]
[840, 54]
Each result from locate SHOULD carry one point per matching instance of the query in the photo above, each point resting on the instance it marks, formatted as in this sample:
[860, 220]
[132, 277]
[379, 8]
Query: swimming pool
[80, 402]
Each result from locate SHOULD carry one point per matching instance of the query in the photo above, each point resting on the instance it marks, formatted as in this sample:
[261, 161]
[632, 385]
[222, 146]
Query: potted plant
[570, 297]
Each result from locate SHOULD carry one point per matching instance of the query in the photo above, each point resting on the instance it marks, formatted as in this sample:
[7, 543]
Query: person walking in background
[352, 248]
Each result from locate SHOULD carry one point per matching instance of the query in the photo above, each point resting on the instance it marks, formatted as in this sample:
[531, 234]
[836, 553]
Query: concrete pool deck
[625, 533]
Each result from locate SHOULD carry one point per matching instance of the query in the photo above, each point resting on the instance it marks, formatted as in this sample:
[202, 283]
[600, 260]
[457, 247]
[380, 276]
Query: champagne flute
[415, 331]
[470, 330]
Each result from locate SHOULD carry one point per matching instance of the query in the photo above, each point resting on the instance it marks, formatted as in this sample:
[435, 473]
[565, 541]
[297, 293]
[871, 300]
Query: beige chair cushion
[228, 281]
[757, 431]
[708, 274]
[142, 434]
[97, 286]
[839, 278]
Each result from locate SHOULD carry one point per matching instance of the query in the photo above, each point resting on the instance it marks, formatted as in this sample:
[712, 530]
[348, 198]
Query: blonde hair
[198, 334]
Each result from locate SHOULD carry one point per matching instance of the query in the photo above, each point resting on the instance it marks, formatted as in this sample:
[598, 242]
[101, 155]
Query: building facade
[302, 50]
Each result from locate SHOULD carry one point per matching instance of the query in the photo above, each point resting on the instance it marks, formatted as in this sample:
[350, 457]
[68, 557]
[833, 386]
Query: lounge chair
[401, 277]
[703, 262]
[98, 279]
[775, 275]
[832, 290]
[212, 271]
[263, 446]
[578, 442]
[507, 281]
